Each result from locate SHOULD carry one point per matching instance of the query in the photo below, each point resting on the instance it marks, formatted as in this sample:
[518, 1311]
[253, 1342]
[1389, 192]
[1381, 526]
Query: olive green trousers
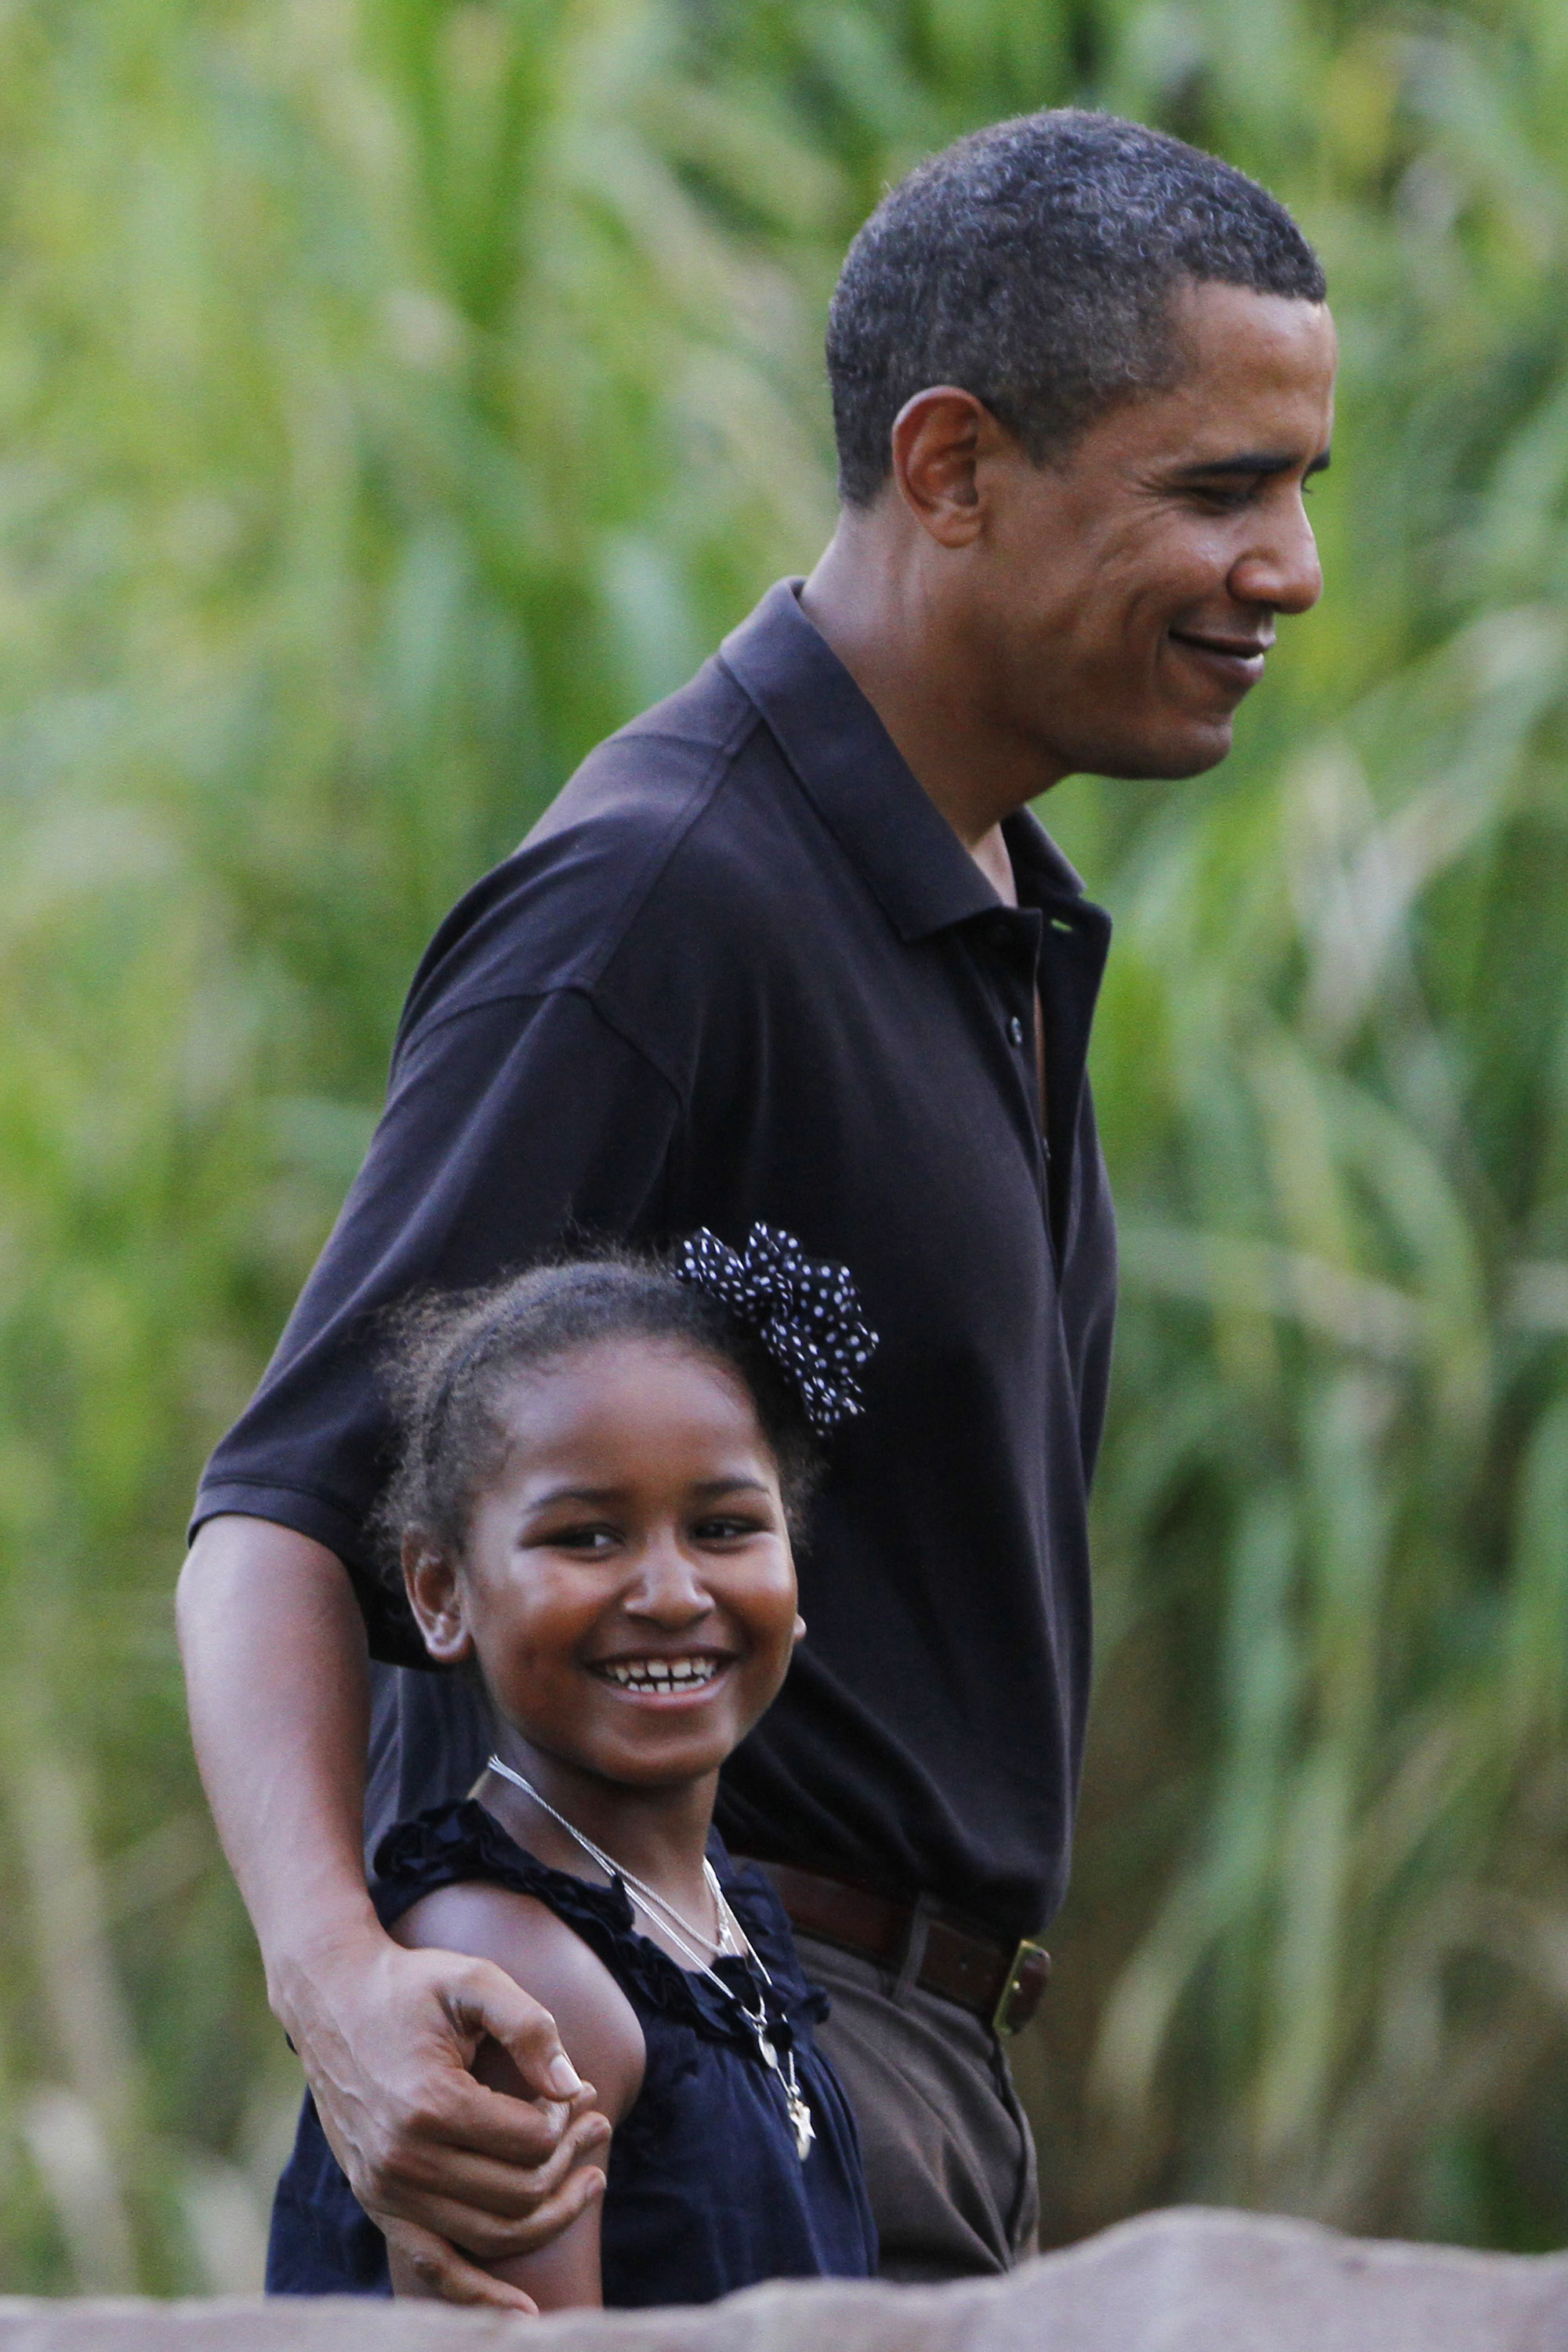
[950, 2158]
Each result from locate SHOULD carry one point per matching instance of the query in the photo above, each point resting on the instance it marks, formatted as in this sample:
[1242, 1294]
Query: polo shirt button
[1016, 1030]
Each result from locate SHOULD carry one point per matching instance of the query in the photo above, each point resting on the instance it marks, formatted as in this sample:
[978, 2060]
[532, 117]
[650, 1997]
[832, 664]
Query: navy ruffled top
[705, 2190]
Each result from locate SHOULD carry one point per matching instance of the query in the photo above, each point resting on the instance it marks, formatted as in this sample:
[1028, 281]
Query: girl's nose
[669, 1587]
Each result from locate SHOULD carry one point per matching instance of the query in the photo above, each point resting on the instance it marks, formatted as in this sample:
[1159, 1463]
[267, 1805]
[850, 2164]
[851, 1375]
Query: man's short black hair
[1033, 264]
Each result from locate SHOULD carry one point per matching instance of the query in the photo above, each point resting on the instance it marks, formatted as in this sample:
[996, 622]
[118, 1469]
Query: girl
[601, 1463]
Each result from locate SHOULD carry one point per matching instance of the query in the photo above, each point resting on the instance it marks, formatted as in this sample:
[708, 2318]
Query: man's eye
[1224, 498]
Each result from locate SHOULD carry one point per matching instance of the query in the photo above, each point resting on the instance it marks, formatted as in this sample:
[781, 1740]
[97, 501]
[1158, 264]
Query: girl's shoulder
[461, 1842]
[550, 1960]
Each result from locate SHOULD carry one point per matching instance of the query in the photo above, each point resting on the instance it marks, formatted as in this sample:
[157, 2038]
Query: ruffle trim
[453, 1842]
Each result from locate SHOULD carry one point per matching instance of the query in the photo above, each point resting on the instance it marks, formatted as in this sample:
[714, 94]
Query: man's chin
[1190, 751]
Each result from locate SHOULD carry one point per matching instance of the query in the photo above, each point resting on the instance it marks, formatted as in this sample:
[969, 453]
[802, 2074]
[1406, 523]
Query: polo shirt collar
[861, 785]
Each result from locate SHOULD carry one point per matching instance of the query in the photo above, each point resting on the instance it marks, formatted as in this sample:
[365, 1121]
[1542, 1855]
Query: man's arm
[275, 1659]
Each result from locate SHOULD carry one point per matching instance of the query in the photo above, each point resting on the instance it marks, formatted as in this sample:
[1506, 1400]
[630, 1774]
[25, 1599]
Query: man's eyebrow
[1253, 463]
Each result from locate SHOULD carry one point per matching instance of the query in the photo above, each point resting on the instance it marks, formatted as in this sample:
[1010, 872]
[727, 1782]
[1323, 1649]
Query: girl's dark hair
[453, 1356]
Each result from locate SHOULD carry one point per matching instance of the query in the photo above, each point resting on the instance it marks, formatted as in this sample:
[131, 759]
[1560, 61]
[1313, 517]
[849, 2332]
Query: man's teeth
[659, 1674]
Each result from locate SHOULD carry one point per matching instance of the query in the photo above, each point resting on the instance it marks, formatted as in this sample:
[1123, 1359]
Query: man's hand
[445, 2168]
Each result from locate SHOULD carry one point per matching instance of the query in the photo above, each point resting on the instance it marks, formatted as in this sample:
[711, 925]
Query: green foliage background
[394, 395]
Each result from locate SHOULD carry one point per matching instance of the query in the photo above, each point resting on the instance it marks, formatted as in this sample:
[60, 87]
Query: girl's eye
[586, 1538]
[727, 1529]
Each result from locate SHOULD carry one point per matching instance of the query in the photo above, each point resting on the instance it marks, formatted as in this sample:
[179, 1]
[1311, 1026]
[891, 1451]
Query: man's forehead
[1205, 307]
[1255, 391]
[1232, 343]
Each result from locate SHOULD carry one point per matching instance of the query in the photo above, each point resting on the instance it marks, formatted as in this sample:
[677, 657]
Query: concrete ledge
[1187, 2280]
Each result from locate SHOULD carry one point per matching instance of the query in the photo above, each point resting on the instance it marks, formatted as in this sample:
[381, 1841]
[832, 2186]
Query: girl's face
[628, 1588]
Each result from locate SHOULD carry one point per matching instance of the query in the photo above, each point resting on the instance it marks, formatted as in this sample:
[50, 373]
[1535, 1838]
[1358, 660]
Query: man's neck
[869, 602]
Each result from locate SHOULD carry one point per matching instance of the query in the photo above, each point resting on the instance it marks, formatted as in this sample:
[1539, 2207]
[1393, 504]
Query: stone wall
[1183, 2281]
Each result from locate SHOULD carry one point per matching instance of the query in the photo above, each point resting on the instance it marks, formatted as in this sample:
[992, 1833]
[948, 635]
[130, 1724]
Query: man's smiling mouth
[655, 1677]
[1247, 652]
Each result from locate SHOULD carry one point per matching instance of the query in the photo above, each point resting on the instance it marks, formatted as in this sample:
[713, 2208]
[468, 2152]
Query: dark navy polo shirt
[743, 969]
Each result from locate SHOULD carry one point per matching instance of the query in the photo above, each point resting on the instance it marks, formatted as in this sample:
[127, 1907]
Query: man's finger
[526, 2233]
[440, 2269]
[521, 2135]
[456, 2174]
[586, 2141]
[485, 2001]
[489, 2240]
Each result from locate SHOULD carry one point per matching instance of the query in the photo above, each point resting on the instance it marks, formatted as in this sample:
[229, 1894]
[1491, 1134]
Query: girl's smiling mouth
[661, 1677]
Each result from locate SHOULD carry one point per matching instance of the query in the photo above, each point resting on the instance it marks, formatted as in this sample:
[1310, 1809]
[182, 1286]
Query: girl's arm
[598, 2028]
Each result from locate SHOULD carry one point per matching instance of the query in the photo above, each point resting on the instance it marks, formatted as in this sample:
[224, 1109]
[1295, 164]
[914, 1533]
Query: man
[790, 947]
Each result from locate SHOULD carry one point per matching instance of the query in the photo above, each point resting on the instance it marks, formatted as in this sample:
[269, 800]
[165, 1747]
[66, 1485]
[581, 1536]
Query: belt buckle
[1030, 1969]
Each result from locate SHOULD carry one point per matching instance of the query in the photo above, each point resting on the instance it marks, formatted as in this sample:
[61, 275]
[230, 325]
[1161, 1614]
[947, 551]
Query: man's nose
[1280, 567]
[669, 1587]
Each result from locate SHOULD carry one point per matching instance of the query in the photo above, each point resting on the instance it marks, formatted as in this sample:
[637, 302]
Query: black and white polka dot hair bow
[806, 1311]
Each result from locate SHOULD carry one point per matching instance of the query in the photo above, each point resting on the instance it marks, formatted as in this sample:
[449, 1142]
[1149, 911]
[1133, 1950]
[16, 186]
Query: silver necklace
[648, 1898]
[729, 1939]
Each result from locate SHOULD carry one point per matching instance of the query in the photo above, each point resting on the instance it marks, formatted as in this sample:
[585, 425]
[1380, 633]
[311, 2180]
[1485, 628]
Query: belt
[1000, 1982]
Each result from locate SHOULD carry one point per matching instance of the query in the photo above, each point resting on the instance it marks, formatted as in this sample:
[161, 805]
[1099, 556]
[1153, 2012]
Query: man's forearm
[275, 1661]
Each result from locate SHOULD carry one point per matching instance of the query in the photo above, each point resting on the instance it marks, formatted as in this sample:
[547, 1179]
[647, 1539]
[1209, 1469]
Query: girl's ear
[435, 1597]
[798, 1631]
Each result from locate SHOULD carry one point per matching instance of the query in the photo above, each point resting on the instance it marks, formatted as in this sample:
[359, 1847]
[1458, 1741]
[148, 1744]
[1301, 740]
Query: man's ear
[941, 438]
[435, 1597]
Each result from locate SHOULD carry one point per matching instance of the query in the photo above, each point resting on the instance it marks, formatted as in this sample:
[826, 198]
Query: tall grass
[396, 394]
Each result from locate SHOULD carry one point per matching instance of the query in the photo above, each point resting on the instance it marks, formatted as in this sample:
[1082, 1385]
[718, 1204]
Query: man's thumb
[495, 2005]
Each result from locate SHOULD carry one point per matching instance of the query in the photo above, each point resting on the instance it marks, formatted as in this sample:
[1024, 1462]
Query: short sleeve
[508, 1126]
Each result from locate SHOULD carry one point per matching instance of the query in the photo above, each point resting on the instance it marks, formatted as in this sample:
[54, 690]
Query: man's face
[1124, 598]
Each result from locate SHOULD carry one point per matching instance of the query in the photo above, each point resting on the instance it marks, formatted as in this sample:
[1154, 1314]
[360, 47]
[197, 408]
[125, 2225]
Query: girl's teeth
[661, 1673]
